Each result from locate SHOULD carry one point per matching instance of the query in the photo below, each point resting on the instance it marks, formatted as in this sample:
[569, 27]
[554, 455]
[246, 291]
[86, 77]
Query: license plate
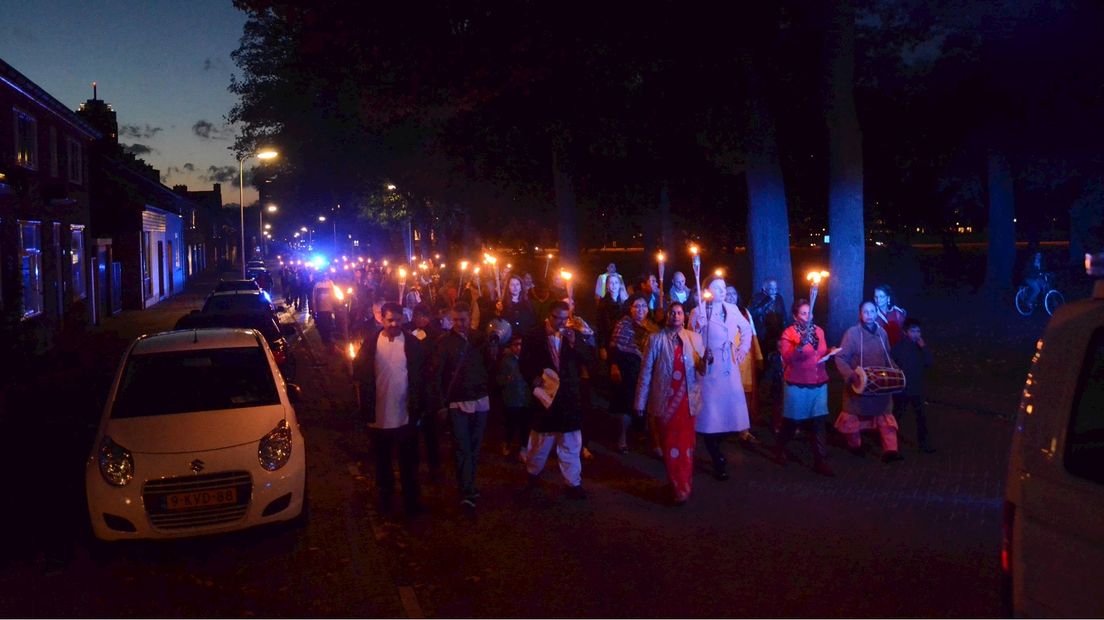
[201, 499]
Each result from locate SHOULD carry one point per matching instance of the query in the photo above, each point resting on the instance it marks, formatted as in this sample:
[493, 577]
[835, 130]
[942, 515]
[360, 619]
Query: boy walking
[914, 358]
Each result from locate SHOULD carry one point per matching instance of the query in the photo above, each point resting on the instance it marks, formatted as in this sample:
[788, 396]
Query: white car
[1052, 552]
[198, 436]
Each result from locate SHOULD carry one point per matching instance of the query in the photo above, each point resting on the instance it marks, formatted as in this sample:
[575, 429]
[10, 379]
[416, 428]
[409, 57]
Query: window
[75, 161]
[76, 254]
[53, 152]
[26, 139]
[1085, 440]
[30, 251]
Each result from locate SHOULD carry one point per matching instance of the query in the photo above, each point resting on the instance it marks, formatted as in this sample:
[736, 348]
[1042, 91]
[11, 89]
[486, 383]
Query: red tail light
[279, 355]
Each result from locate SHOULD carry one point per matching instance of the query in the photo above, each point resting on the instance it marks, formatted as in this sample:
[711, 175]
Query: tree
[847, 250]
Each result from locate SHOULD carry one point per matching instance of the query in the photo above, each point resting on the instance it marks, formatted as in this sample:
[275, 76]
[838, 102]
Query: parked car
[198, 436]
[274, 333]
[240, 301]
[1052, 552]
[236, 285]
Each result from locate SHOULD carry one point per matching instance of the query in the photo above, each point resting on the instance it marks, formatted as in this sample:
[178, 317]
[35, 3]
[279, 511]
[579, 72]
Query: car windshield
[260, 321]
[236, 285]
[235, 303]
[201, 380]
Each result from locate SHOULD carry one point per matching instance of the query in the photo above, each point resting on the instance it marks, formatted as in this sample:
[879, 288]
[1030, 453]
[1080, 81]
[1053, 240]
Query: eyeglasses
[640, 306]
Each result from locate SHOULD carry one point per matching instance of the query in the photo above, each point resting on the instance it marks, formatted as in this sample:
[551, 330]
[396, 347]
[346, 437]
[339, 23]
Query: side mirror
[281, 308]
[295, 395]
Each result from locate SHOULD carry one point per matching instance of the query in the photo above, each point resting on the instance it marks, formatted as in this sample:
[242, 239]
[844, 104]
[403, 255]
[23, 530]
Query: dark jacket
[458, 371]
[364, 373]
[521, 316]
[566, 413]
[770, 320]
[433, 331]
[913, 360]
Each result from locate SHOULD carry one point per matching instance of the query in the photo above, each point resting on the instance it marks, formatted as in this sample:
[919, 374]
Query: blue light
[319, 261]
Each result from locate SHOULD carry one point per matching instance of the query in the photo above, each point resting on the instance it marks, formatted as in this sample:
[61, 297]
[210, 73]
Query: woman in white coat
[726, 336]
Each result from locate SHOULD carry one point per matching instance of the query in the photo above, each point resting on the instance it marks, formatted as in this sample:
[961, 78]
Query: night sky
[163, 66]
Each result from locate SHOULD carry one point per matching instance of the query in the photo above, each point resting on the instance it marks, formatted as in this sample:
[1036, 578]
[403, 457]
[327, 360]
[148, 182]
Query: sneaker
[576, 492]
[892, 456]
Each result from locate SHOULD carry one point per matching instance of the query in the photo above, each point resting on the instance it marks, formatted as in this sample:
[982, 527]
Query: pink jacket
[800, 365]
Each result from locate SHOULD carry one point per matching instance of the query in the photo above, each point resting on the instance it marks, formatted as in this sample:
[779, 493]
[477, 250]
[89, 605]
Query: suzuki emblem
[196, 466]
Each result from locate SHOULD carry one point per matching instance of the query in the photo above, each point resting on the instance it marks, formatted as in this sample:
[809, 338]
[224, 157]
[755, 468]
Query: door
[160, 269]
[172, 269]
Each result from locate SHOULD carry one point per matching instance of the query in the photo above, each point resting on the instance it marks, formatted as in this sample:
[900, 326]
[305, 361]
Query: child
[515, 399]
[913, 357]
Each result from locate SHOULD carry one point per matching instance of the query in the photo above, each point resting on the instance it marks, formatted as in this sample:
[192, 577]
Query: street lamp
[262, 154]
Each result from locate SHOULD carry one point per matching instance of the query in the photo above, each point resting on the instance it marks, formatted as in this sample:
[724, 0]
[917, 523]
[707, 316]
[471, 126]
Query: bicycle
[1052, 298]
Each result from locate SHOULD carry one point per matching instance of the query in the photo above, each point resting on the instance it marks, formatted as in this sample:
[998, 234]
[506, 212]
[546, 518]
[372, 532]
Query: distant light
[321, 218]
[267, 154]
[272, 208]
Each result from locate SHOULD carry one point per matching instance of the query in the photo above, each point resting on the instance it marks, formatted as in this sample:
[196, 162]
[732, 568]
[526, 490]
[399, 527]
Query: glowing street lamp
[264, 154]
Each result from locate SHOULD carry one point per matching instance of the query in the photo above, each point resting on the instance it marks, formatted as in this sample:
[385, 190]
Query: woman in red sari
[668, 390]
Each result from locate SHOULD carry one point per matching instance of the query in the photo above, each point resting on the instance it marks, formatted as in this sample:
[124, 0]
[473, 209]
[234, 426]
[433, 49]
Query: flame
[351, 349]
[565, 274]
[694, 250]
[660, 257]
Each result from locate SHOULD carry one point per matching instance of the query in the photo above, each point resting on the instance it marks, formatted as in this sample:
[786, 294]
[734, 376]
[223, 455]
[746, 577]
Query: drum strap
[889, 358]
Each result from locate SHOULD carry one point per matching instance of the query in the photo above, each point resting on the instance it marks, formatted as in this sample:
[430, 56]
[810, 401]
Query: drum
[879, 381]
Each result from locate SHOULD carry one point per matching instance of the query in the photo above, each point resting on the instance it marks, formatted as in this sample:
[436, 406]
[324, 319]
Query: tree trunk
[1002, 230]
[847, 248]
[768, 224]
[567, 211]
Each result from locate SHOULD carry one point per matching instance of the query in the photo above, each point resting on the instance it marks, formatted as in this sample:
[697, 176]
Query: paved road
[917, 538]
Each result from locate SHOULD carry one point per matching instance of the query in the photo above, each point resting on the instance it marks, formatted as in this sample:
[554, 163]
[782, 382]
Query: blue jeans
[467, 434]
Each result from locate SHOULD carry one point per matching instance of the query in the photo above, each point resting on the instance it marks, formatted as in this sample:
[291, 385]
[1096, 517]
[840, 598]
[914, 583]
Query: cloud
[220, 174]
[209, 131]
[143, 132]
[136, 149]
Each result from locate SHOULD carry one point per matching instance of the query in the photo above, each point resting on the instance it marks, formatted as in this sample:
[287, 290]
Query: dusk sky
[163, 66]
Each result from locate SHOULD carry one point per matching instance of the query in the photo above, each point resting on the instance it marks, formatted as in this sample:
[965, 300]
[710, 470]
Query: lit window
[30, 251]
[76, 253]
[26, 139]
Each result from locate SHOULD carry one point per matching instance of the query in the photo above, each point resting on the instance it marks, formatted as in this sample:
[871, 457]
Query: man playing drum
[865, 405]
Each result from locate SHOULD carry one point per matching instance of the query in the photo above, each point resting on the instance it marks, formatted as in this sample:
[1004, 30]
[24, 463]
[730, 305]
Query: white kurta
[726, 333]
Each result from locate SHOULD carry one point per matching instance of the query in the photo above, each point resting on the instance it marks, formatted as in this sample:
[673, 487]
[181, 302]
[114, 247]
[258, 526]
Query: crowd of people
[431, 353]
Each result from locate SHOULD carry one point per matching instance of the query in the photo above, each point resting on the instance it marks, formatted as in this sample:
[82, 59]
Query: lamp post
[262, 154]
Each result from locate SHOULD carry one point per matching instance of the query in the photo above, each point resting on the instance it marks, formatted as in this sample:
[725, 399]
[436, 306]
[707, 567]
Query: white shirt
[392, 382]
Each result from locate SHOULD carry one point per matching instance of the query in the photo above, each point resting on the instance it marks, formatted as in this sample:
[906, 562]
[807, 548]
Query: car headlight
[116, 463]
[275, 448]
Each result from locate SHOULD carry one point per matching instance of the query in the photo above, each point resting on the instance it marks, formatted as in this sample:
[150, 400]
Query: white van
[1052, 552]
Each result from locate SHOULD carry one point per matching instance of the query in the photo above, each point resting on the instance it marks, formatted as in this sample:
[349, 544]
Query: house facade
[46, 264]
